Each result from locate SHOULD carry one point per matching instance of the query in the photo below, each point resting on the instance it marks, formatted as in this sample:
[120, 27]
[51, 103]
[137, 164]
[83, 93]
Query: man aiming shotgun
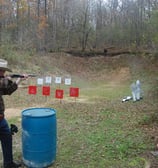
[7, 87]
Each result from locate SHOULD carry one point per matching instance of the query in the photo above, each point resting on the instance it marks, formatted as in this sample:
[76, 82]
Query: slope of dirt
[118, 70]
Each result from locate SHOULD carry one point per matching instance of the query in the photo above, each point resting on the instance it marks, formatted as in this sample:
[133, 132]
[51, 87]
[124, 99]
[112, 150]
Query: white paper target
[58, 80]
[48, 79]
[40, 81]
[67, 81]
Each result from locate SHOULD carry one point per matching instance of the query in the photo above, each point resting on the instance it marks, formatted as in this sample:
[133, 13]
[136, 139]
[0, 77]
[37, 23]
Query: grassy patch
[94, 136]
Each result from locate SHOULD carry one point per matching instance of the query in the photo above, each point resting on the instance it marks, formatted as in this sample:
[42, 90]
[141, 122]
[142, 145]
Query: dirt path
[13, 112]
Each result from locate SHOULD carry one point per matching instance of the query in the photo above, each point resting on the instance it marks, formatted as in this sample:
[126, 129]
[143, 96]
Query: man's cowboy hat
[3, 65]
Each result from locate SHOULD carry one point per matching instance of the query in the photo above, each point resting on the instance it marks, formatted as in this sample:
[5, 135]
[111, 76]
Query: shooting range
[80, 87]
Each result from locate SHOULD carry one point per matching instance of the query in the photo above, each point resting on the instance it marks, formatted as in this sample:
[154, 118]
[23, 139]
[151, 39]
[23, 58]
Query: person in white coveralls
[136, 90]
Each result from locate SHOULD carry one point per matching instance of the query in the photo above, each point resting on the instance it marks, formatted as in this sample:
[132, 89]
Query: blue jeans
[6, 141]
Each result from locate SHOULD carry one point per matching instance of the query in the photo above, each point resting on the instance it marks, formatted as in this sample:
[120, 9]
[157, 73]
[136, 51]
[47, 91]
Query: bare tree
[56, 24]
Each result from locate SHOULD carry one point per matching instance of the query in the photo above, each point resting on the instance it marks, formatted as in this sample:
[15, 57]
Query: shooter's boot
[12, 165]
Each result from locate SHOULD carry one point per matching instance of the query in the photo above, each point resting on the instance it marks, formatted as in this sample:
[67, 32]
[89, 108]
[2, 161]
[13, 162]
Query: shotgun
[22, 76]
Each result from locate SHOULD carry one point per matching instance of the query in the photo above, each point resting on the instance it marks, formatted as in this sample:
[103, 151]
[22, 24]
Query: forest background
[55, 25]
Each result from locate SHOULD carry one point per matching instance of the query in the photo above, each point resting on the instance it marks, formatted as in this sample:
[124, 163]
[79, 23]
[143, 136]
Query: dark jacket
[7, 87]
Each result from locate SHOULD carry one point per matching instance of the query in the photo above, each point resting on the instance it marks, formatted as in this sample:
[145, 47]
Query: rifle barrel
[21, 76]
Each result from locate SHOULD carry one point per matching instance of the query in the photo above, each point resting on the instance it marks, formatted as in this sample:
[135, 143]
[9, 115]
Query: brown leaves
[42, 26]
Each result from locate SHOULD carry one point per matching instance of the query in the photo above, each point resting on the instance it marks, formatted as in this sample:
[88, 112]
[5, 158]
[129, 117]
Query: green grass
[94, 136]
[101, 134]
[107, 92]
[97, 135]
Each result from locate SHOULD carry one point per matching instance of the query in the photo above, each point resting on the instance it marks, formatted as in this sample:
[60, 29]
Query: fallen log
[106, 52]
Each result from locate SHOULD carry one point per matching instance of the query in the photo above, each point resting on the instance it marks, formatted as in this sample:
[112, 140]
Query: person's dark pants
[6, 142]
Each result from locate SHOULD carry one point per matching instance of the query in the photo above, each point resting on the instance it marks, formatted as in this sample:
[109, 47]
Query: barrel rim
[36, 108]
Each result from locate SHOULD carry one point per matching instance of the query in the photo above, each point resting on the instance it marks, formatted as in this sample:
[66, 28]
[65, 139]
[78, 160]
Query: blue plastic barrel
[39, 137]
